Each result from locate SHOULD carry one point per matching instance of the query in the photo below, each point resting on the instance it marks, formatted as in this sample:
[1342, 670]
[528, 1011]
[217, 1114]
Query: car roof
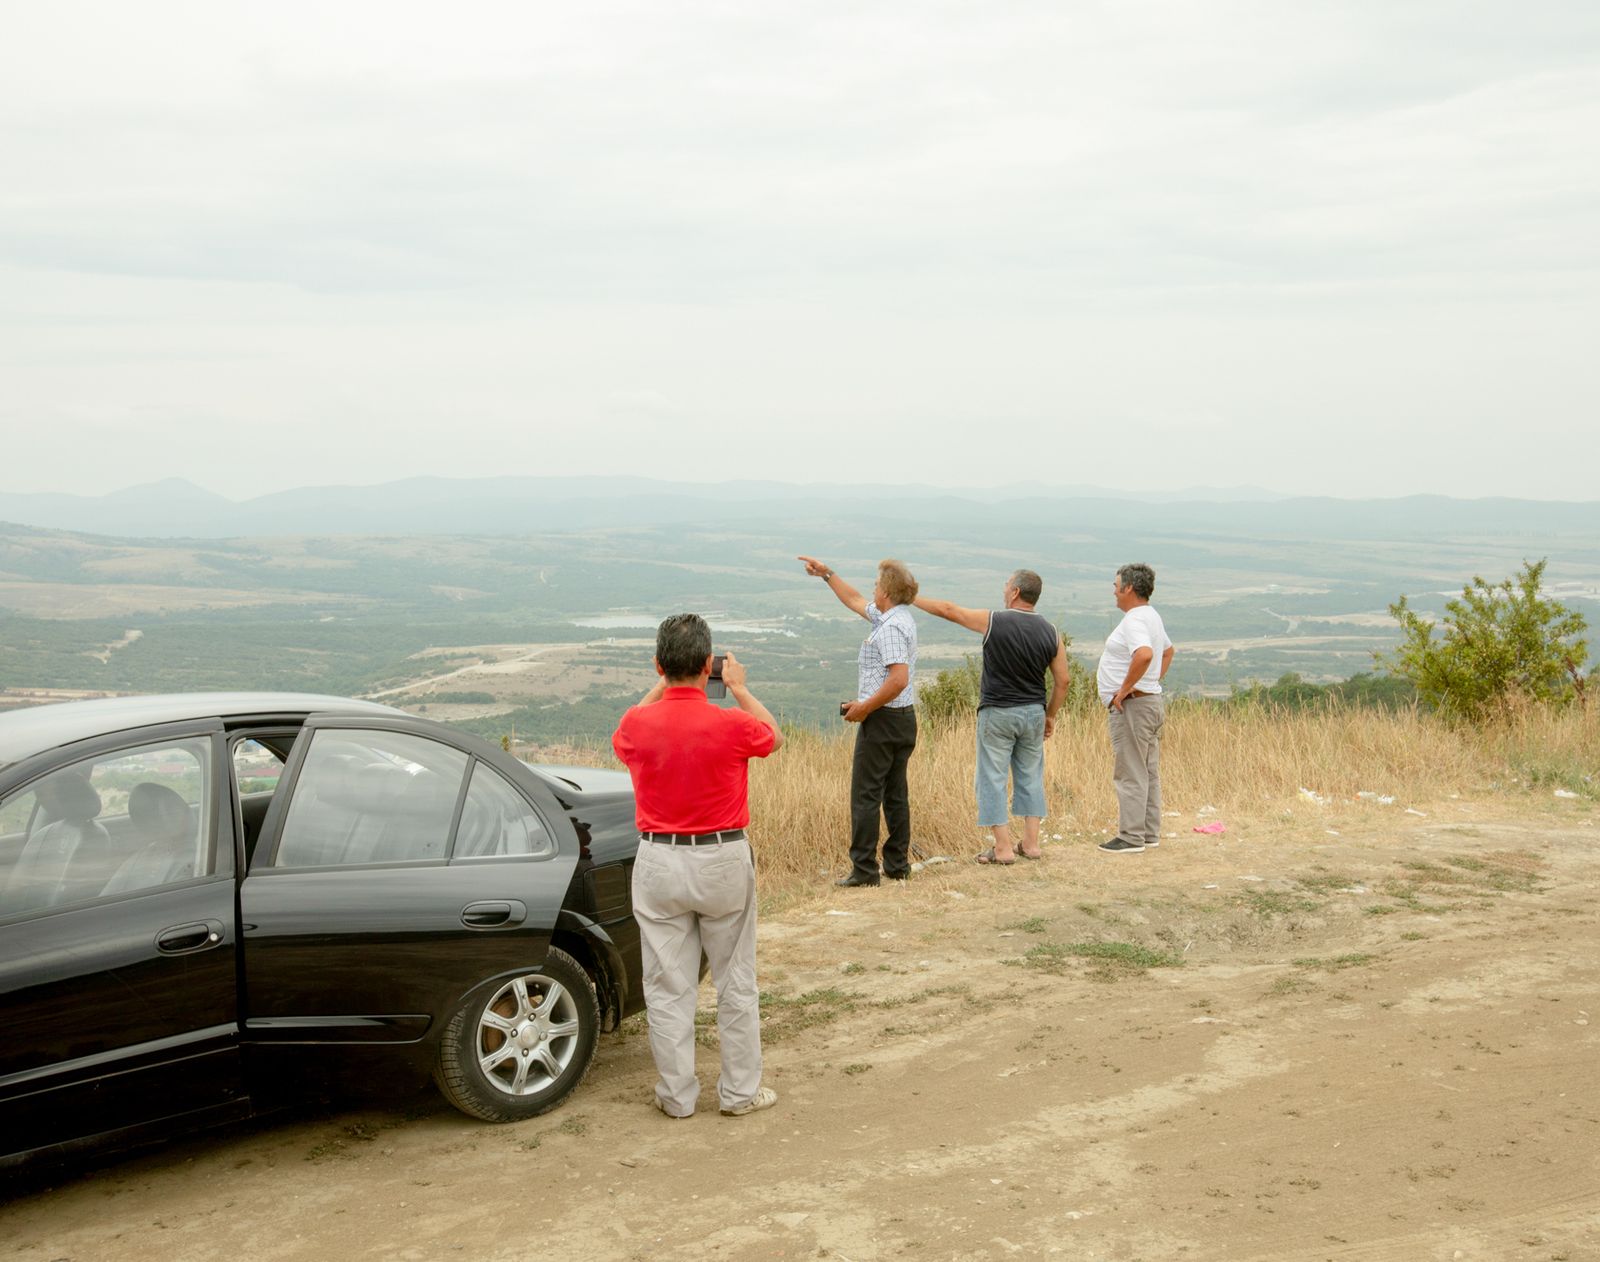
[26, 732]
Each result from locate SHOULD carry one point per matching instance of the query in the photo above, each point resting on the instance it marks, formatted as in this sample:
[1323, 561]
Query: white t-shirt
[1140, 628]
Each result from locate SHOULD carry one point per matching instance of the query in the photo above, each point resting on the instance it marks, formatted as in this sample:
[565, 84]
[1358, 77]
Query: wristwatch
[825, 575]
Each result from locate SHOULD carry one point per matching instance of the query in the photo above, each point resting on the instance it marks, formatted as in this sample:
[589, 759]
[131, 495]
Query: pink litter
[1215, 826]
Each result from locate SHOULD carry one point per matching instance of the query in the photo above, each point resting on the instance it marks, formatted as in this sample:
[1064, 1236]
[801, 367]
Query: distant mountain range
[175, 508]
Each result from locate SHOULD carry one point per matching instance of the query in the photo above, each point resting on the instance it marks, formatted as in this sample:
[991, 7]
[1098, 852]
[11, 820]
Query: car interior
[83, 840]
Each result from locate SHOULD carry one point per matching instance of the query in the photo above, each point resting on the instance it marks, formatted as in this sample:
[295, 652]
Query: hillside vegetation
[1248, 764]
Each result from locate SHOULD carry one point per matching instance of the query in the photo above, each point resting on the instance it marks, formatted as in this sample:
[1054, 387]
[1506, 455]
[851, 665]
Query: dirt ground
[1381, 1044]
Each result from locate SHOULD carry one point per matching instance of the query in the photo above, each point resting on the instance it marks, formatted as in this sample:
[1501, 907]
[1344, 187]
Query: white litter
[1565, 793]
[1252, 878]
[1169, 834]
[832, 912]
[1352, 889]
[1206, 810]
[1055, 836]
[1208, 887]
[1411, 810]
[1382, 799]
[1334, 832]
[1173, 814]
[1311, 795]
[955, 893]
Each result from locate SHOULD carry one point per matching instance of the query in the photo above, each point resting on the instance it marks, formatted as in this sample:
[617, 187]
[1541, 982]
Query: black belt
[695, 839]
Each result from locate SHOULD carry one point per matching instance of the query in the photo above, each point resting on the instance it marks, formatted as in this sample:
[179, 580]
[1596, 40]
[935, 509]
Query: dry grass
[1247, 763]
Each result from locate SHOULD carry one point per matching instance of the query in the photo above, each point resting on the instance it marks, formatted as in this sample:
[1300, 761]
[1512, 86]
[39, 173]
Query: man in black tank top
[1014, 715]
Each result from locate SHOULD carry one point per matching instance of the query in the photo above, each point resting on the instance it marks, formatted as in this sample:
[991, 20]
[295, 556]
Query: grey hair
[1028, 585]
[1140, 578]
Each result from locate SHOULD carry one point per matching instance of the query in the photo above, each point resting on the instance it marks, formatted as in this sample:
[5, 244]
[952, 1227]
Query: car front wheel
[519, 1048]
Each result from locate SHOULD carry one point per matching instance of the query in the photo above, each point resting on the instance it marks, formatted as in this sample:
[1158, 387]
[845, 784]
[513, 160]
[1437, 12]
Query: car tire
[520, 1045]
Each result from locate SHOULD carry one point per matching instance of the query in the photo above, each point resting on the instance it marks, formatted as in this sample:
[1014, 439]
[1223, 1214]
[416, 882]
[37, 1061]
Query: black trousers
[878, 783]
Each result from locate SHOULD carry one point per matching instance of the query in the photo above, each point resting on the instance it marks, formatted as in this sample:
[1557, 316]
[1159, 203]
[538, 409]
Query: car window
[495, 821]
[255, 767]
[371, 797]
[120, 822]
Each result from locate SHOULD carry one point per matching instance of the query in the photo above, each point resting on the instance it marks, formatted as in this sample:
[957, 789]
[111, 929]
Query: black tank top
[1016, 653]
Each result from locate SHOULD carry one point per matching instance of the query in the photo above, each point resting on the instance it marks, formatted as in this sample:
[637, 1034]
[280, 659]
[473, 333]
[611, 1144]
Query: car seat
[67, 858]
[164, 829]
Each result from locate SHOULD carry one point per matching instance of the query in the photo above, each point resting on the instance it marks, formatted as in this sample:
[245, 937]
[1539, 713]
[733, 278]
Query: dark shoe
[898, 876]
[1121, 845]
[854, 880]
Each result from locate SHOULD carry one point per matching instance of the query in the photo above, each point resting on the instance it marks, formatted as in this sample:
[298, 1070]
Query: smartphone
[844, 708]
[715, 688]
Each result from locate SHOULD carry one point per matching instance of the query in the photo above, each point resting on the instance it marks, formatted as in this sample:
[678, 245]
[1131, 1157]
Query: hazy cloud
[1328, 246]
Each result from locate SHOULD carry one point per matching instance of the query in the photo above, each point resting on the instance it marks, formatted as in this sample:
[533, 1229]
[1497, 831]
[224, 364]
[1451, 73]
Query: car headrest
[68, 795]
[374, 788]
[159, 812]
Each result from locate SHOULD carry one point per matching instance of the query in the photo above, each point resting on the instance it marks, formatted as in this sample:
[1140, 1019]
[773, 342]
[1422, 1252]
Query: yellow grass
[1247, 763]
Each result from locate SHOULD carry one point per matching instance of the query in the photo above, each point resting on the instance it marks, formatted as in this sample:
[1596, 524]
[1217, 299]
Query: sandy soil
[516, 674]
[1384, 1045]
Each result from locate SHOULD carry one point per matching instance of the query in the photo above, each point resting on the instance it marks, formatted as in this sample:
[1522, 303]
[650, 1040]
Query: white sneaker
[764, 1098]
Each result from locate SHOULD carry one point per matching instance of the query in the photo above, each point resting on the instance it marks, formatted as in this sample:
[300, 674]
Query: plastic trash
[1311, 795]
[1411, 810]
[1382, 799]
[1215, 826]
[1565, 793]
[1206, 810]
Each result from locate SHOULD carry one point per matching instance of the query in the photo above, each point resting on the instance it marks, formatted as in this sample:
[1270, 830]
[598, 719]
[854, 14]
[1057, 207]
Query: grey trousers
[688, 899]
[1136, 749]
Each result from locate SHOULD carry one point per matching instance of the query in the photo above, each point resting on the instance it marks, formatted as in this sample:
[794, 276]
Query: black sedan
[203, 896]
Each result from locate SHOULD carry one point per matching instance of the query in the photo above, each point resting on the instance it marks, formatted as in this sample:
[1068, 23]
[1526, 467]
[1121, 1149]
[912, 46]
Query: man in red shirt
[694, 882]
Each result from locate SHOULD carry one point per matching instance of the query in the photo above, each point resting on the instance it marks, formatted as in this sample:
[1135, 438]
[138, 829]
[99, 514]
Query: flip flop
[1031, 858]
[988, 856]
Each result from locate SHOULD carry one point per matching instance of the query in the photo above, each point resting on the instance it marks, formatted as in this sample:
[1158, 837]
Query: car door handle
[499, 914]
[202, 935]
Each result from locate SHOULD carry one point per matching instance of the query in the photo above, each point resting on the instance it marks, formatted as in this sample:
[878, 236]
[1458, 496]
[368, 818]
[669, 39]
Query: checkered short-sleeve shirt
[893, 639]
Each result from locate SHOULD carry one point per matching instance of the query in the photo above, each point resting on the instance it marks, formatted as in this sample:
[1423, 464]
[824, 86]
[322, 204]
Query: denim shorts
[1010, 738]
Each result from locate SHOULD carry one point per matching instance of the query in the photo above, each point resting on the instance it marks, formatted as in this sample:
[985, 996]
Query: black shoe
[1121, 845]
[855, 880]
[898, 876]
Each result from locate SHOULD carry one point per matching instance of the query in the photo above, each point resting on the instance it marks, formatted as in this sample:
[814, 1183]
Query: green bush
[1497, 644]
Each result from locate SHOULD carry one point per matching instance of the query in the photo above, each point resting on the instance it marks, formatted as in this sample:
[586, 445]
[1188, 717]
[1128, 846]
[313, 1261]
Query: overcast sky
[1345, 248]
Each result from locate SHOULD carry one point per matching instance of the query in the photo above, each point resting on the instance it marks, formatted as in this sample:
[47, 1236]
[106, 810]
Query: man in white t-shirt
[1136, 657]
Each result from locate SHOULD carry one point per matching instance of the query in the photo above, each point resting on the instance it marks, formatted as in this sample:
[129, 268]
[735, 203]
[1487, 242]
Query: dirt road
[1385, 1046]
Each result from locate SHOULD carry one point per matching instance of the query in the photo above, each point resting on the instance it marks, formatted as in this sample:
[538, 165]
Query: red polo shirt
[689, 762]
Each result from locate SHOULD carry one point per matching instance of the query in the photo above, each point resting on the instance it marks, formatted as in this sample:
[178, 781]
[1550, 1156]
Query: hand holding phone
[715, 688]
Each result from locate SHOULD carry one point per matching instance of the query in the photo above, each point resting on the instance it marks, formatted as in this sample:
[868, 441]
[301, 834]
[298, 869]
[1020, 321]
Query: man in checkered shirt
[885, 707]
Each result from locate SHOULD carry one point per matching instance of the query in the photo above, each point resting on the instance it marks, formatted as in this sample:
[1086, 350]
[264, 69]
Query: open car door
[402, 871]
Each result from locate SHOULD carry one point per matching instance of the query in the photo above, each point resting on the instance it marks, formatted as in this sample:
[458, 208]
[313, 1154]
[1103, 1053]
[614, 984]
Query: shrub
[1498, 643]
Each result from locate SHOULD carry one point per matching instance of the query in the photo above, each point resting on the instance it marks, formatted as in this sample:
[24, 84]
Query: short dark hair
[683, 642]
[1141, 578]
[1028, 585]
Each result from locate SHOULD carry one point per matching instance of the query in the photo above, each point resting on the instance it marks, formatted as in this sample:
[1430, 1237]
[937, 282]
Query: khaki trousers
[688, 899]
[1136, 750]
